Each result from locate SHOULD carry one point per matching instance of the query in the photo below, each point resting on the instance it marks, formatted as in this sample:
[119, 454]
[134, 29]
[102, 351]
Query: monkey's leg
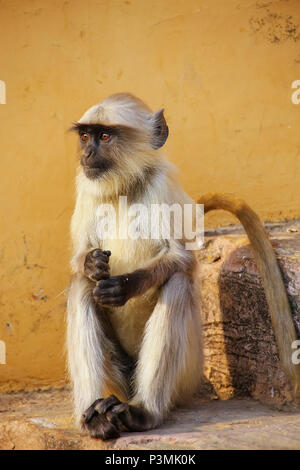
[95, 359]
[170, 361]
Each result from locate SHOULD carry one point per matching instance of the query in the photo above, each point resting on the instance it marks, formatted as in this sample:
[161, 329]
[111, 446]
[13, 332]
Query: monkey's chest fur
[129, 320]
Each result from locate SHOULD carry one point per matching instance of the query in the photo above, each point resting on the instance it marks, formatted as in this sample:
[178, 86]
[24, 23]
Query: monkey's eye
[104, 136]
[84, 137]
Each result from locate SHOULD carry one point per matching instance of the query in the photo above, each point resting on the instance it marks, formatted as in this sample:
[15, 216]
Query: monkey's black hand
[114, 291]
[96, 265]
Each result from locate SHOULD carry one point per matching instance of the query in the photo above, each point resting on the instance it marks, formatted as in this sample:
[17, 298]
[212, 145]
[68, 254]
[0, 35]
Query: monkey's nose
[90, 154]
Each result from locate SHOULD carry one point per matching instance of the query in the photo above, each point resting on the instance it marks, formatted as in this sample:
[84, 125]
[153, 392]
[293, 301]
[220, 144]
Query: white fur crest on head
[120, 108]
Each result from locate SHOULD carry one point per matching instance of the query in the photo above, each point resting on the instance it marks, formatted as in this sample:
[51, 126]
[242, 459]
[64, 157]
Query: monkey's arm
[117, 290]
[278, 303]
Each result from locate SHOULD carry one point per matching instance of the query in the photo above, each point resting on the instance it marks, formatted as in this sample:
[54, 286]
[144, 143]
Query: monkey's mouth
[90, 171]
[93, 172]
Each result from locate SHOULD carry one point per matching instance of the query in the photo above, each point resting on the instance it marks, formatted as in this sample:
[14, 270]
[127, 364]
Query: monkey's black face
[107, 149]
[98, 148]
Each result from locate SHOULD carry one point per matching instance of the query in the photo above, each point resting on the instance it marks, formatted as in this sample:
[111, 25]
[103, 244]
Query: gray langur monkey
[134, 333]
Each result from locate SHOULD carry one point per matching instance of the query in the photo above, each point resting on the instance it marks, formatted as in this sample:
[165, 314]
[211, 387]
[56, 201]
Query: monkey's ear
[160, 129]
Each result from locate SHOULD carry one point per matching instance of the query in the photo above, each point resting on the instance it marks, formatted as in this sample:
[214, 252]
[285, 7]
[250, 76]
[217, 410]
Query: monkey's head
[118, 137]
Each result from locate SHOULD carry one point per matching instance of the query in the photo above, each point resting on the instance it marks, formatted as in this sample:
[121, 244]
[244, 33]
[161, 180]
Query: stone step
[43, 420]
[240, 348]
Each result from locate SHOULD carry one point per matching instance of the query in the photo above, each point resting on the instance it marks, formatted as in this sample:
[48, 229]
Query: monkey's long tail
[275, 291]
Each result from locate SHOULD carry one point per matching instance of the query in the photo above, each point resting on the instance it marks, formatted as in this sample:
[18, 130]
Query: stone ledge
[241, 356]
[42, 420]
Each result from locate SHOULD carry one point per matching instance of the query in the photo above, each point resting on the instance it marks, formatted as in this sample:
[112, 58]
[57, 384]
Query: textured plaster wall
[223, 71]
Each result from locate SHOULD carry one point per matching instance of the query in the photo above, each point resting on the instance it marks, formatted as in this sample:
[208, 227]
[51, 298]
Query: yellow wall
[222, 69]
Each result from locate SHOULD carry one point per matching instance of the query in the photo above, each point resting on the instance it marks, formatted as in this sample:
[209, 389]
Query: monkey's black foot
[95, 422]
[106, 418]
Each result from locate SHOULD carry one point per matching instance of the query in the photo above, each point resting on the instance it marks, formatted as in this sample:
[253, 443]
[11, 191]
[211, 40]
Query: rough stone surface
[240, 348]
[42, 420]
